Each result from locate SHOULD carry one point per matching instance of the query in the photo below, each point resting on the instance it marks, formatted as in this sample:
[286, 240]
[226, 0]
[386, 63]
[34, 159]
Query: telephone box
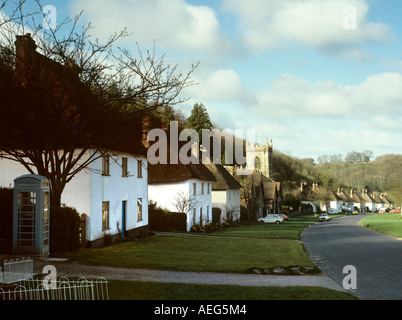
[31, 215]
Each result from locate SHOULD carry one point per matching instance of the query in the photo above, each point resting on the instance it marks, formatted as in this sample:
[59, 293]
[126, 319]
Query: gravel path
[110, 273]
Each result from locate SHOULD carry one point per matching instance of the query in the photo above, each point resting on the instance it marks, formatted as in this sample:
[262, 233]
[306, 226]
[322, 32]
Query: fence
[62, 289]
[16, 270]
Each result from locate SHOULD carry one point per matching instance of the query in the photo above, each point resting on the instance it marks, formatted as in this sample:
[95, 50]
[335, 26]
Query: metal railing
[61, 289]
[16, 270]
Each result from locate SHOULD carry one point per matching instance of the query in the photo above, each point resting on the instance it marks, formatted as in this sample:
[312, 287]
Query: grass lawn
[132, 290]
[236, 250]
[387, 223]
[258, 246]
[201, 254]
[290, 229]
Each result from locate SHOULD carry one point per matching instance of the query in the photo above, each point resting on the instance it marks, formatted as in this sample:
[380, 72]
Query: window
[105, 215]
[209, 190]
[257, 164]
[105, 165]
[207, 214]
[202, 188]
[194, 189]
[26, 219]
[201, 216]
[139, 168]
[46, 216]
[124, 167]
[139, 209]
[194, 215]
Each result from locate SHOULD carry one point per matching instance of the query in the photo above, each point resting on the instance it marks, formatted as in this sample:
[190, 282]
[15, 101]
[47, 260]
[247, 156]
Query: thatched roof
[356, 198]
[366, 197]
[224, 180]
[344, 196]
[167, 173]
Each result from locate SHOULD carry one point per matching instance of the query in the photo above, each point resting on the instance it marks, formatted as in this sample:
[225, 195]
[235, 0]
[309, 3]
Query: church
[261, 195]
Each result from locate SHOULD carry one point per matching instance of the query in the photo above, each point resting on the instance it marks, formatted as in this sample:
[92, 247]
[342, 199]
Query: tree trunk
[56, 191]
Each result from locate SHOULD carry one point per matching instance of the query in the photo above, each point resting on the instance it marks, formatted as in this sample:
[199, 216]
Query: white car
[333, 211]
[324, 217]
[271, 218]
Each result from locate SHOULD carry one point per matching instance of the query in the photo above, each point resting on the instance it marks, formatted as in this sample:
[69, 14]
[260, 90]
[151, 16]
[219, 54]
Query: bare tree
[184, 203]
[67, 99]
[231, 213]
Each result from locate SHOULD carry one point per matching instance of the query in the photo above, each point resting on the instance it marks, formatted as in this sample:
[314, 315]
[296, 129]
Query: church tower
[260, 159]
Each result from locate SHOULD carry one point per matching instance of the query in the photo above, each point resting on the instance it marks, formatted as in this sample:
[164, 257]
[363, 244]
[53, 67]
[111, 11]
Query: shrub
[64, 229]
[162, 220]
[6, 218]
[209, 227]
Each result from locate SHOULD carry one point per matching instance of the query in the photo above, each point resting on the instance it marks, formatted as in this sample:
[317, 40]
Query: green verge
[386, 223]
[131, 290]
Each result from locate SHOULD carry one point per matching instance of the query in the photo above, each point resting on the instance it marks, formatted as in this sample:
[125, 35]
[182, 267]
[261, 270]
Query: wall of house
[336, 205]
[227, 200]
[76, 193]
[370, 206]
[113, 189]
[9, 170]
[89, 188]
[165, 194]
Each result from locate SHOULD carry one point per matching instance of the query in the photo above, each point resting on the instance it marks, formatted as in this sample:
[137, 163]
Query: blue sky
[292, 70]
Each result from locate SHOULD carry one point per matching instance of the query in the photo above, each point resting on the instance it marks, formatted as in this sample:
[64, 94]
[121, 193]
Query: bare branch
[63, 93]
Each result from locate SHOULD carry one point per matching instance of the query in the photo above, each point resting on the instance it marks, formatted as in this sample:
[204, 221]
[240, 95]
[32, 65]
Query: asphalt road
[376, 258]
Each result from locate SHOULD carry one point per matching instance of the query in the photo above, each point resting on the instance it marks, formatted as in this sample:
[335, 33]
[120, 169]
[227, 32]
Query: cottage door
[123, 218]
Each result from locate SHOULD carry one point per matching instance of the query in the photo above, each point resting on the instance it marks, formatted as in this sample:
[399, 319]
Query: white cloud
[320, 24]
[172, 24]
[328, 118]
[291, 96]
[223, 85]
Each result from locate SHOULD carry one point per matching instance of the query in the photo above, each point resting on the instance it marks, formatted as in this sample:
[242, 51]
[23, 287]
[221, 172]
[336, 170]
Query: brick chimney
[25, 48]
[146, 127]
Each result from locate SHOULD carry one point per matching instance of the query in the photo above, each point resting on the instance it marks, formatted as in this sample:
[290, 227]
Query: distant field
[387, 223]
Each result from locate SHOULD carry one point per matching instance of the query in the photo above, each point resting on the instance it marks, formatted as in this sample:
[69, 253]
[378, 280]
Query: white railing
[62, 289]
[16, 270]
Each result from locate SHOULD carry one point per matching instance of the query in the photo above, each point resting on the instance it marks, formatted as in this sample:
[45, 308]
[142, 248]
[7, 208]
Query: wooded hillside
[381, 175]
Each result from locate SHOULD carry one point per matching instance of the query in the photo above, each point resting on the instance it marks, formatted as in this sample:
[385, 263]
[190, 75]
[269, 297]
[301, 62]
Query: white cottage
[112, 192]
[329, 201]
[369, 202]
[183, 188]
[347, 201]
[225, 194]
[358, 201]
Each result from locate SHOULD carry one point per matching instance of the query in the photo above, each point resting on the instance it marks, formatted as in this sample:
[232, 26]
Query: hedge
[64, 229]
[6, 219]
[161, 220]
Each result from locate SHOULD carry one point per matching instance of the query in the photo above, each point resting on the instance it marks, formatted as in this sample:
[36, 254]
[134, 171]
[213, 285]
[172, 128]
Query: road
[343, 242]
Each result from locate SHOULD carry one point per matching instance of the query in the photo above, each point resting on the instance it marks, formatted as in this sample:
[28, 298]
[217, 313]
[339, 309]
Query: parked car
[283, 216]
[395, 211]
[382, 210]
[333, 211]
[324, 217]
[271, 218]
